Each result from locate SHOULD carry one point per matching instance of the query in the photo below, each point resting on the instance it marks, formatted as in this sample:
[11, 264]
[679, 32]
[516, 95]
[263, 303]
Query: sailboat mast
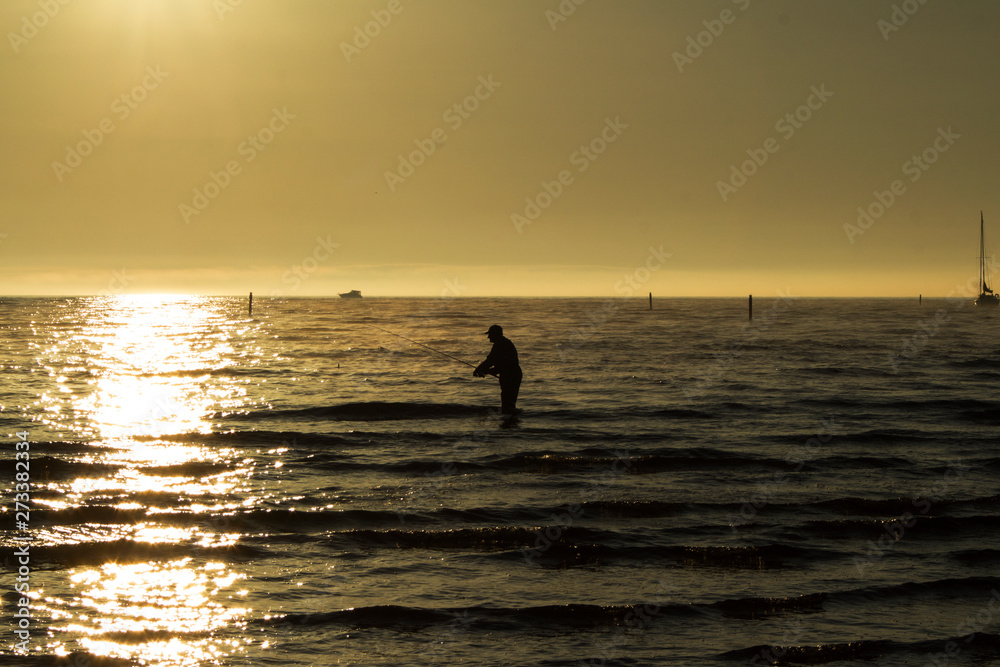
[986, 295]
[982, 254]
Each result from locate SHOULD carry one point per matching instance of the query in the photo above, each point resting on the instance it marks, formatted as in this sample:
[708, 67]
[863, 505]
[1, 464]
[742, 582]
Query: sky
[515, 148]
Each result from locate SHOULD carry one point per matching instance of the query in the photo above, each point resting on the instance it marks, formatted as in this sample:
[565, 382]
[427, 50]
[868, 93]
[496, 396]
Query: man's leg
[510, 385]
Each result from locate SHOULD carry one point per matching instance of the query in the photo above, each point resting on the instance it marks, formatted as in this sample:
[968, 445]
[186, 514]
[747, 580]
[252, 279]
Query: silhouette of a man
[502, 362]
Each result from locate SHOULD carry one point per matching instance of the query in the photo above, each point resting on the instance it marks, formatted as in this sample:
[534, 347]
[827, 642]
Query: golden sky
[514, 147]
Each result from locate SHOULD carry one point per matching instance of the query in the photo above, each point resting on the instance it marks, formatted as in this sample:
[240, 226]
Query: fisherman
[502, 362]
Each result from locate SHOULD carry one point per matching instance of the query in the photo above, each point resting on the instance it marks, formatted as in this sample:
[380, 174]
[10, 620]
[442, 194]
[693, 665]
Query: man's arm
[488, 366]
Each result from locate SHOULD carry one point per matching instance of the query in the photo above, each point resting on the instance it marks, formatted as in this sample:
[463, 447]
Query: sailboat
[986, 296]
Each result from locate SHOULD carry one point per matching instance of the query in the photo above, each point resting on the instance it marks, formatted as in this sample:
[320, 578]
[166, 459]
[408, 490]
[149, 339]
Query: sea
[323, 482]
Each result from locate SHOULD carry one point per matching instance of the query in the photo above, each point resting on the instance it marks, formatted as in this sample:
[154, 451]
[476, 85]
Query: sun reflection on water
[167, 469]
[122, 373]
[146, 365]
[165, 612]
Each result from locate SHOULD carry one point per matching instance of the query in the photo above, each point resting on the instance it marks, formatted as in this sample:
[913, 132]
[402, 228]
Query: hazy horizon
[759, 298]
[497, 149]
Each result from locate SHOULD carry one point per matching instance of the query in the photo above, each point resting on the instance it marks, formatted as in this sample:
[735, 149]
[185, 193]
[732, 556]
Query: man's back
[503, 356]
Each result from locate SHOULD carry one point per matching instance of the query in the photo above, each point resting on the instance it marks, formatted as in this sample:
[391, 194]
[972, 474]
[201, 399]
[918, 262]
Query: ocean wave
[847, 506]
[898, 506]
[955, 406]
[660, 609]
[817, 654]
[882, 436]
[863, 462]
[89, 514]
[130, 551]
[52, 467]
[841, 518]
[566, 616]
[974, 557]
[915, 525]
[547, 617]
[551, 462]
[226, 371]
[249, 438]
[189, 469]
[984, 648]
[911, 590]
[364, 411]
[664, 460]
[621, 459]
[75, 659]
[492, 538]
[990, 415]
[402, 410]
[573, 545]
[976, 363]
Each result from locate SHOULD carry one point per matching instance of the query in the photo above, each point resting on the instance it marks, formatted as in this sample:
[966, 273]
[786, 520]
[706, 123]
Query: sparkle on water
[154, 356]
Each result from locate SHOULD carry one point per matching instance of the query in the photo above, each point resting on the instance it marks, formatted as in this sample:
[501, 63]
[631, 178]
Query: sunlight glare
[158, 358]
[141, 603]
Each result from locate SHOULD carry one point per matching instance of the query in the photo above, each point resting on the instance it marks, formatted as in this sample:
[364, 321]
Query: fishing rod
[392, 333]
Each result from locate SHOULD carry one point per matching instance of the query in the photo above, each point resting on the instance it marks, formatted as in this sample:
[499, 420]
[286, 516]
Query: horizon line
[642, 297]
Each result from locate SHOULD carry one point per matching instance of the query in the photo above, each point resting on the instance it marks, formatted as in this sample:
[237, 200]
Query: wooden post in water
[751, 306]
[651, 301]
[251, 304]
[920, 299]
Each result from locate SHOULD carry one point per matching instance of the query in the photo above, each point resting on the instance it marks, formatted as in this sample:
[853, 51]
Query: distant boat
[353, 294]
[986, 296]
